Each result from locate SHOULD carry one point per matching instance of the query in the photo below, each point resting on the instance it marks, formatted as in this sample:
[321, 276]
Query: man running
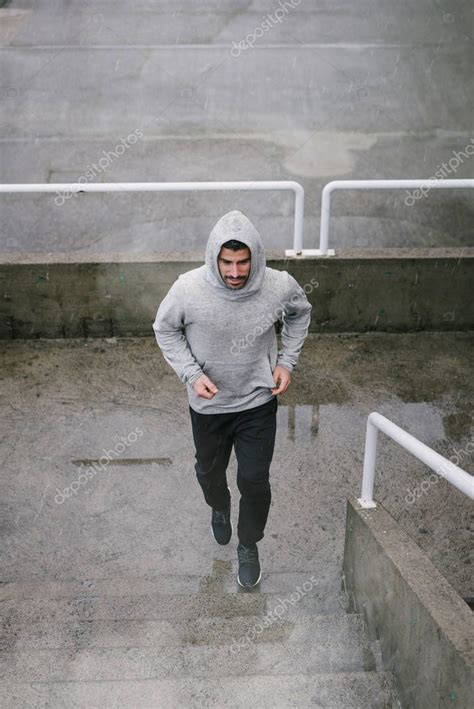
[216, 329]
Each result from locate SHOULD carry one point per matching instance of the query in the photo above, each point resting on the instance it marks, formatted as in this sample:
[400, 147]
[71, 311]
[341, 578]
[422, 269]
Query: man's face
[234, 266]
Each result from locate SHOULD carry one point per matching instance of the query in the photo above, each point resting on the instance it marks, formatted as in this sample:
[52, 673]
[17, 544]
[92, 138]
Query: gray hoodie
[203, 326]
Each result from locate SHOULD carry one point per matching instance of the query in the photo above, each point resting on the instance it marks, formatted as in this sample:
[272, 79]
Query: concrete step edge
[345, 654]
[171, 584]
[351, 690]
[237, 631]
[172, 608]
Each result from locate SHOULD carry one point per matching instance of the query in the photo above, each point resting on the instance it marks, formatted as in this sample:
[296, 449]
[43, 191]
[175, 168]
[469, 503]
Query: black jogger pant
[252, 432]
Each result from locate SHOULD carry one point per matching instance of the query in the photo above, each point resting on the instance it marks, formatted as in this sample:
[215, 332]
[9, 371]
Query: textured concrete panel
[425, 629]
[61, 295]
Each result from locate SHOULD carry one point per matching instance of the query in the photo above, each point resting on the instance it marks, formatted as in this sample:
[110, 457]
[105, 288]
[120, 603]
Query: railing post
[298, 249]
[299, 218]
[367, 495]
[325, 213]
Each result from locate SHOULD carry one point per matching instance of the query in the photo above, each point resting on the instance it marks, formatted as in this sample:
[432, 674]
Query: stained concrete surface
[336, 90]
[66, 401]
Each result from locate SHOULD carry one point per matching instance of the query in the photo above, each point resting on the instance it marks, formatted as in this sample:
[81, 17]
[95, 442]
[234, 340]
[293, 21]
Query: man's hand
[204, 387]
[282, 379]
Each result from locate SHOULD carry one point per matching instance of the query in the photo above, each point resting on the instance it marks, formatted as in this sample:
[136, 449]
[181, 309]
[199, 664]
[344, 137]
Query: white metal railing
[331, 187]
[441, 465]
[268, 185]
[77, 187]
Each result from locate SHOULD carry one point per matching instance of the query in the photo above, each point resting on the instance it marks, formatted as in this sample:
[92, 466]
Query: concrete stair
[188, 641]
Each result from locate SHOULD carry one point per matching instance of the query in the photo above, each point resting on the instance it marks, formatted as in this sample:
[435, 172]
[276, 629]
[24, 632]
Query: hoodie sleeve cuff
[193, 377]
[284, 363]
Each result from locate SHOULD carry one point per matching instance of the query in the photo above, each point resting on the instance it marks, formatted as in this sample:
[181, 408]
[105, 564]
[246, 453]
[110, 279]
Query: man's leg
[213, 442]
[254, 440]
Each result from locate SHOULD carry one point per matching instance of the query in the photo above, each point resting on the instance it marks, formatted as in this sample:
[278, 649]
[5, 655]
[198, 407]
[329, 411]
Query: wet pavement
[106, 422]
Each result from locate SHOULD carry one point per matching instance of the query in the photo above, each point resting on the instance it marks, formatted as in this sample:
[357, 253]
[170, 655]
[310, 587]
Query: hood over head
[235, 225]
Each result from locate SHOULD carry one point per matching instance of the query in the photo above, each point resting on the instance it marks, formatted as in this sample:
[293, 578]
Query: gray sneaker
[249, 566]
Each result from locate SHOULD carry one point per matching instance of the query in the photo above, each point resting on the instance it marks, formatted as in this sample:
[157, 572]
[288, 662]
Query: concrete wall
[74, 295]
[425, 629]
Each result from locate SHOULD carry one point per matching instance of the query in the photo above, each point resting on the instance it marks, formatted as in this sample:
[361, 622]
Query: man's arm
[170, 336]
[296, 320]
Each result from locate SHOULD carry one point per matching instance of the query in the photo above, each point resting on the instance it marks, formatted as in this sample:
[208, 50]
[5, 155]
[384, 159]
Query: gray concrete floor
[335, 90]
[65, 401]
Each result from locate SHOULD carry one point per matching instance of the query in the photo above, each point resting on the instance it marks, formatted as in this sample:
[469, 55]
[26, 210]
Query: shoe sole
[252, 585]
[223, 544]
